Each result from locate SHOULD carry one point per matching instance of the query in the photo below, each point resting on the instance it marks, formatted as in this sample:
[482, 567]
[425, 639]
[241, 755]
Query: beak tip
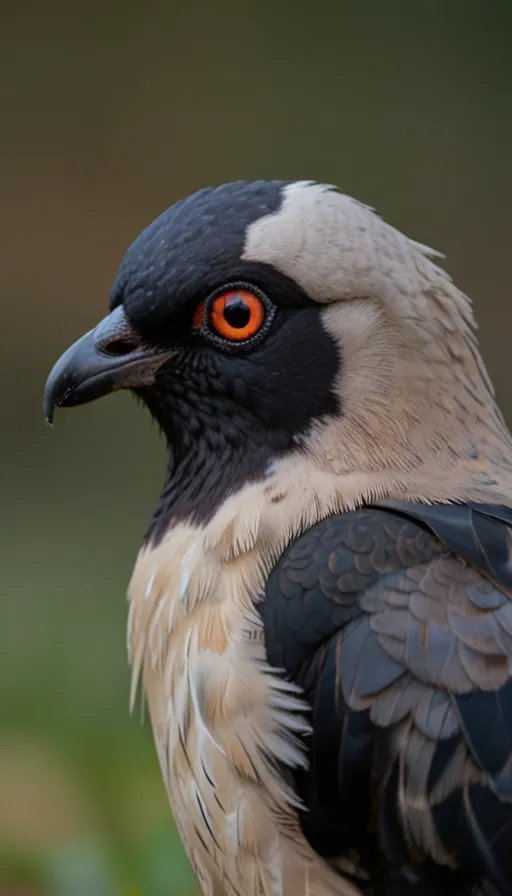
[49, 404]
[48, 410]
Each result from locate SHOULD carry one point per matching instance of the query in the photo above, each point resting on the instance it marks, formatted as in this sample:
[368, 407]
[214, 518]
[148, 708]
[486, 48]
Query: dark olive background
[110, 112]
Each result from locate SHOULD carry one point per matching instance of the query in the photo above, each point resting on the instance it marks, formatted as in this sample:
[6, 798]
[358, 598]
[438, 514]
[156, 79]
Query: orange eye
[237, 315]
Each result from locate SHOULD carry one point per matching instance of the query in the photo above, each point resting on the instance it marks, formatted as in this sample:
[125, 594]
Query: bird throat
[216, 449]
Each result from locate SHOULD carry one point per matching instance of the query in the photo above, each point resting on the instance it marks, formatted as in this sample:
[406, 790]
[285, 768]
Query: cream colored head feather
[419, 418]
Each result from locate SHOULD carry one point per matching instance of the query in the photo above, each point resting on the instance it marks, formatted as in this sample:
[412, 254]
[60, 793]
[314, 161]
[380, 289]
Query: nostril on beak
[122, 345]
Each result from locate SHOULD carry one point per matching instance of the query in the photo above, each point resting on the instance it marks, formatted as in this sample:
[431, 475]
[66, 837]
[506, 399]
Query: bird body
[220, 720]
[320, 613]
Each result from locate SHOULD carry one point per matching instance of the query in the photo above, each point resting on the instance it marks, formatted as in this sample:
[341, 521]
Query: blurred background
[109, 113]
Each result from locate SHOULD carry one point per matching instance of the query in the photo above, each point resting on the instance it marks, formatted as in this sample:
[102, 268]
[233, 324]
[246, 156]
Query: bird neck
[206, 465]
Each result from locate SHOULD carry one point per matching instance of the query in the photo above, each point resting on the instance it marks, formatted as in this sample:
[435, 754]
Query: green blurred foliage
[109, 113]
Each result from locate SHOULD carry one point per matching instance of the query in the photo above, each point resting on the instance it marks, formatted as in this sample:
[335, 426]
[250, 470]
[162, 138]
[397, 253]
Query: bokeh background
[109, 112]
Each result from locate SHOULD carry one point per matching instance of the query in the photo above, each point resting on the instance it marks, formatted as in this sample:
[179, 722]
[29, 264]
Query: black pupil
[236, 313]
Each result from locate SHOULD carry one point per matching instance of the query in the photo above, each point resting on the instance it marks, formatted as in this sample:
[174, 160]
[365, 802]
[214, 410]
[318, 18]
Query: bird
[320, 613]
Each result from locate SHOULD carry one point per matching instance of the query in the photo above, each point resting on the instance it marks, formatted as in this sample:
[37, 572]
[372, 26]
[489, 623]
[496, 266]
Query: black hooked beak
[110, 357]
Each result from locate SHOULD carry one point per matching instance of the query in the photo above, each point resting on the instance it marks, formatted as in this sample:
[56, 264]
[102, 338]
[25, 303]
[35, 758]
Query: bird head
[278, 327]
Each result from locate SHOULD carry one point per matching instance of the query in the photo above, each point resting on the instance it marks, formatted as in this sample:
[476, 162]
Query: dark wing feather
[397, 622]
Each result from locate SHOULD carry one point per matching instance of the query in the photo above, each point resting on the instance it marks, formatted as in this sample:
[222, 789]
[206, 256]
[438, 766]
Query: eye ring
[235, 315]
